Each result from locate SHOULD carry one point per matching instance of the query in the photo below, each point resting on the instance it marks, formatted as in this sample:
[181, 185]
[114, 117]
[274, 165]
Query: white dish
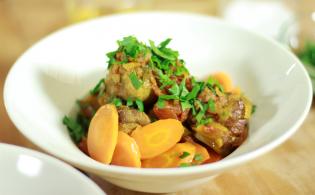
[44, 83]
[27, 172]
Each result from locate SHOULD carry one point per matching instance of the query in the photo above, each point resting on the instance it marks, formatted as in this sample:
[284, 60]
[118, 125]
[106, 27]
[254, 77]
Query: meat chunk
[219, 138]
[119, 83]
[171, 109]
[130, 119]
[230, 125]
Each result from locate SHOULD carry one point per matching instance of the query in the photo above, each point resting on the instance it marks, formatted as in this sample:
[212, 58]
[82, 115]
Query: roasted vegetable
[102, 134]
[157, 137]
[179, 155]
[126, 151]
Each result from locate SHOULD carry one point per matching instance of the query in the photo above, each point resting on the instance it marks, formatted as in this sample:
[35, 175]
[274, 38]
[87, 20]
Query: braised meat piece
[130, 119]
[171, 109]
[121, 79]
[229, 126]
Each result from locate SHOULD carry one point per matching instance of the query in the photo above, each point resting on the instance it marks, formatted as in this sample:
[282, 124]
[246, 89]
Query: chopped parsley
[184, 165]
[135, 80]
[168, 97]
[164, 43]
[129, 102]
[254, 109]
[160, 103]
[111, 59]
[174, 89]
[211, 105]
[212, 83]
[140, 105]
[76, 131]
[194, 92]
[183, 90]
[117, 102]
[198, 157]
[130, 48]
[164, 52]
[185, 105]
[97, 87]
[184, 155]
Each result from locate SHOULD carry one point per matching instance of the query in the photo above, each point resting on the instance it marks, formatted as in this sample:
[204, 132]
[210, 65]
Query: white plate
[27, 172]
[44, 83]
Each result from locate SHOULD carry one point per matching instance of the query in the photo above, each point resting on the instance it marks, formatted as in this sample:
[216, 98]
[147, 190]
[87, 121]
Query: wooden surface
[289, 169]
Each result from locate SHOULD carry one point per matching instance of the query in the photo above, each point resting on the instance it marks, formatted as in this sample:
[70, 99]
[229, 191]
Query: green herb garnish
[164, 79]
[200, 115]
[194, 92]
[165, 53]
[254, 107]
[164, 43]
[184, 165]
[135, 80]
[183, 90]
[75, 129]
[198, 157]
[117, 102]
[111, 59]
[184, 155]
[205, 121]
[131, 46]
[211, 105]
[212, 83]
[185, 105]
[160, 103]
[140, 105]
[97, 87]
[168, 97]
[129, 102]
[174, 89]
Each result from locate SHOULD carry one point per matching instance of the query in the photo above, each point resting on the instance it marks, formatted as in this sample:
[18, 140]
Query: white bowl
[44, 83]
[27, 172]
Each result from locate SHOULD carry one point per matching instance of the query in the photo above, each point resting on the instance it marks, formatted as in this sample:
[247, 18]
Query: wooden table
[289, 169]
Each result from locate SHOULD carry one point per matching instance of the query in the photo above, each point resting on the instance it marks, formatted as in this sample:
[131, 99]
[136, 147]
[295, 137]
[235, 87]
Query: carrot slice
[182, 154]
[236, 91]
[224, 79]
[127, 152]
[102, 134]
[157, 137]
[201, 154]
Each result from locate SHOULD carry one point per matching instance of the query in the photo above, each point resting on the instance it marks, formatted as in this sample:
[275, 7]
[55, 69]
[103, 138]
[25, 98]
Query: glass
[268, 17]
[79, 10]
[303, 30]
[302, 34]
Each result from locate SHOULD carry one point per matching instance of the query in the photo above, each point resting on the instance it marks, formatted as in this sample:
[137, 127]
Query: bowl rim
[216, 166]
[54, 162]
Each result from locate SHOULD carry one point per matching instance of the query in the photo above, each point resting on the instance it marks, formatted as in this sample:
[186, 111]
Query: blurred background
[24, 22]
[290, 22]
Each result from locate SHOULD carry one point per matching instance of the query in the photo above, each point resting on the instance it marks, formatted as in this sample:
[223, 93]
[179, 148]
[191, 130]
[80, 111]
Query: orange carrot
[102, 134]
[179, 155]
[127, 152]
[236, 91]
[157, 137]
[224, 79]
[201, 154]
